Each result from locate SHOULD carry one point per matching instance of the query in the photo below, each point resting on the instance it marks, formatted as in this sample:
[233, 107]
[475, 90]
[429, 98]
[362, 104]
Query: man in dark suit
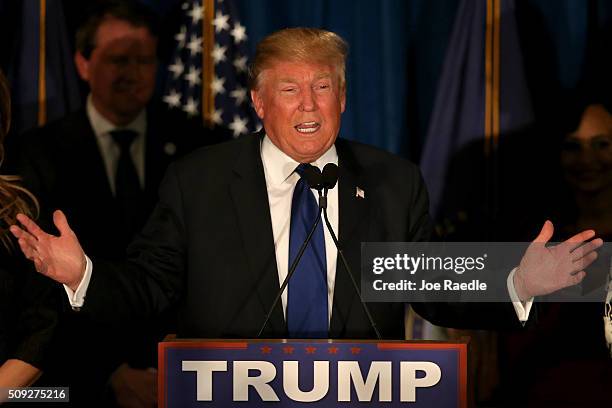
[221, 237]
[103, 164]
[63, 163]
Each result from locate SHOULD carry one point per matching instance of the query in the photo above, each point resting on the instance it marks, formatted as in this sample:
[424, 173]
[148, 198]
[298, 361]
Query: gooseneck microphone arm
[292, 269]
[329, 180]
[366, 309]
[296, 261]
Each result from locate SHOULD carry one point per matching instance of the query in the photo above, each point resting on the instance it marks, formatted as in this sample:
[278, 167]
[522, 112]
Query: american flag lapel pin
[359, 193]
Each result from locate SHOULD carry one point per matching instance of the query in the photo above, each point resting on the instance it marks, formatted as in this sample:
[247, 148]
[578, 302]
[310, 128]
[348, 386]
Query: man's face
[300, 105]
[121, 69]
[587, 153]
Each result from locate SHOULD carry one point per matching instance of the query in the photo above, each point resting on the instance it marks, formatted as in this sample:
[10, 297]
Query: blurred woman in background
[28, 314]
[563, 361]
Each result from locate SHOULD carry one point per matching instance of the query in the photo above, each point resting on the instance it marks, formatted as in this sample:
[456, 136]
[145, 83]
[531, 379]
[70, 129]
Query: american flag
[228, 79]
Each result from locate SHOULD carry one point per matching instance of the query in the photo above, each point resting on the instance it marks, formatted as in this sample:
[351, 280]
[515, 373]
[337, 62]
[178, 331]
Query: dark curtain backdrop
[397, 50]
[376, 72]
[378, 33]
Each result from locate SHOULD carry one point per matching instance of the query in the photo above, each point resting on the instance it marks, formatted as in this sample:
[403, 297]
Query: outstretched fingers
[27, 242]
[31, 227]
[60, 221]
[546, 233]
[586, 249]
[585, 261]
[578, 239]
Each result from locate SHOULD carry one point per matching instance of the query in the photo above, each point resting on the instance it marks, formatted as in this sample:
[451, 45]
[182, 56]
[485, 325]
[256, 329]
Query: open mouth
[307, 127]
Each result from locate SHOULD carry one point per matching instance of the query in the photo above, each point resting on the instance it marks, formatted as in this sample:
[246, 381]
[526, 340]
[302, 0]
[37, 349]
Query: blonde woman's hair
[14, 199]
[310, 45]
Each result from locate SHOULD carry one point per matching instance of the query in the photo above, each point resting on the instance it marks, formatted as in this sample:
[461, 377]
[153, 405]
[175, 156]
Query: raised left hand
[544, 270]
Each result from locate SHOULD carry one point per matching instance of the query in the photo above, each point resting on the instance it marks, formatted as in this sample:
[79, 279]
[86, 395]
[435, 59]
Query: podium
[321, 373]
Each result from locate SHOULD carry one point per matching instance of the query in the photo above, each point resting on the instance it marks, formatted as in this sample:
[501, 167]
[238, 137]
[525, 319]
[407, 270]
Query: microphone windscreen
[313, 177]
[330, 175]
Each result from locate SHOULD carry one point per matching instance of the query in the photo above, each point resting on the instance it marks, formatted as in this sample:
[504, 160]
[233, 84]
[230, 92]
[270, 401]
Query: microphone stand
[293, 266]
[322, 186]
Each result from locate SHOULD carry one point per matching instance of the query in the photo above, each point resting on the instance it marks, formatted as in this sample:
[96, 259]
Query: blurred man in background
[102, 165]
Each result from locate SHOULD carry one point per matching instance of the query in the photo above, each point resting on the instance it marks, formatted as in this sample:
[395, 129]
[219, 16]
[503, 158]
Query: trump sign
[330, 373]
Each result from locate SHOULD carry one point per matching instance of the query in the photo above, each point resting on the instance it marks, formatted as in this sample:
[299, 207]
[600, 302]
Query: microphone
[330, 177]
[313, 177]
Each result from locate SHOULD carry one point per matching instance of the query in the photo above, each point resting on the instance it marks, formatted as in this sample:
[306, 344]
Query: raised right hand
[61, 258]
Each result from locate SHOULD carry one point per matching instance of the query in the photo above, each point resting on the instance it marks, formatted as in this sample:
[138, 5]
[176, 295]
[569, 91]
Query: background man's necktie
[127, 184]
[307, 297]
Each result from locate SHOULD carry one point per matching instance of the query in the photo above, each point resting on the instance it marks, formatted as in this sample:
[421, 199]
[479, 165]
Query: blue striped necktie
[307, 297]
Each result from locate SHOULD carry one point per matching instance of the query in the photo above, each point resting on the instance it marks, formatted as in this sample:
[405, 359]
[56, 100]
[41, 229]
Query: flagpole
[496, 72]
[42, 85]
[208, 67]
[492, 107]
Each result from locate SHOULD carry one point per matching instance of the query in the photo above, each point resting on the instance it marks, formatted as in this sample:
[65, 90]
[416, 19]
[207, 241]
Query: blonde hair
[14, 199]
[299, 44]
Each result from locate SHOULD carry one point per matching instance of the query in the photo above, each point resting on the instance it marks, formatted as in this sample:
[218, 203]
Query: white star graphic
[221, 21]
[217, 85]
[240, 94]
[193, 77]
[196, 13]
[239, 33]
[177, 68]
[216, 116]
[238, 126]
[181, 36]
[195, 45]
[191, 107]
[240, 64]
[218, 53]
[173, 99]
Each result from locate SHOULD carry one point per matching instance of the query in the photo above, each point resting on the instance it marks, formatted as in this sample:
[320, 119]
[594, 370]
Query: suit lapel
[250, 198]
[352, 230]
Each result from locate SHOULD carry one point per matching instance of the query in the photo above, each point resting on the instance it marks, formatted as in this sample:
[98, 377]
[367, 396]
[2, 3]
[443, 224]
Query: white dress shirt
[109, 149]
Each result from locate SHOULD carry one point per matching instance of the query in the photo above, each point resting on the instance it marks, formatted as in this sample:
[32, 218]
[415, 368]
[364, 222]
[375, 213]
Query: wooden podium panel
[321, 373]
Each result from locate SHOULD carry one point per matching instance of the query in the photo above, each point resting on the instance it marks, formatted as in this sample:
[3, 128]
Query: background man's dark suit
[209, 245]
[62, 165]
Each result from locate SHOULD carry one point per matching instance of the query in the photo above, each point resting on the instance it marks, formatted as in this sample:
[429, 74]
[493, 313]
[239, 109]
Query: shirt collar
[279, 166]
[102, 126]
